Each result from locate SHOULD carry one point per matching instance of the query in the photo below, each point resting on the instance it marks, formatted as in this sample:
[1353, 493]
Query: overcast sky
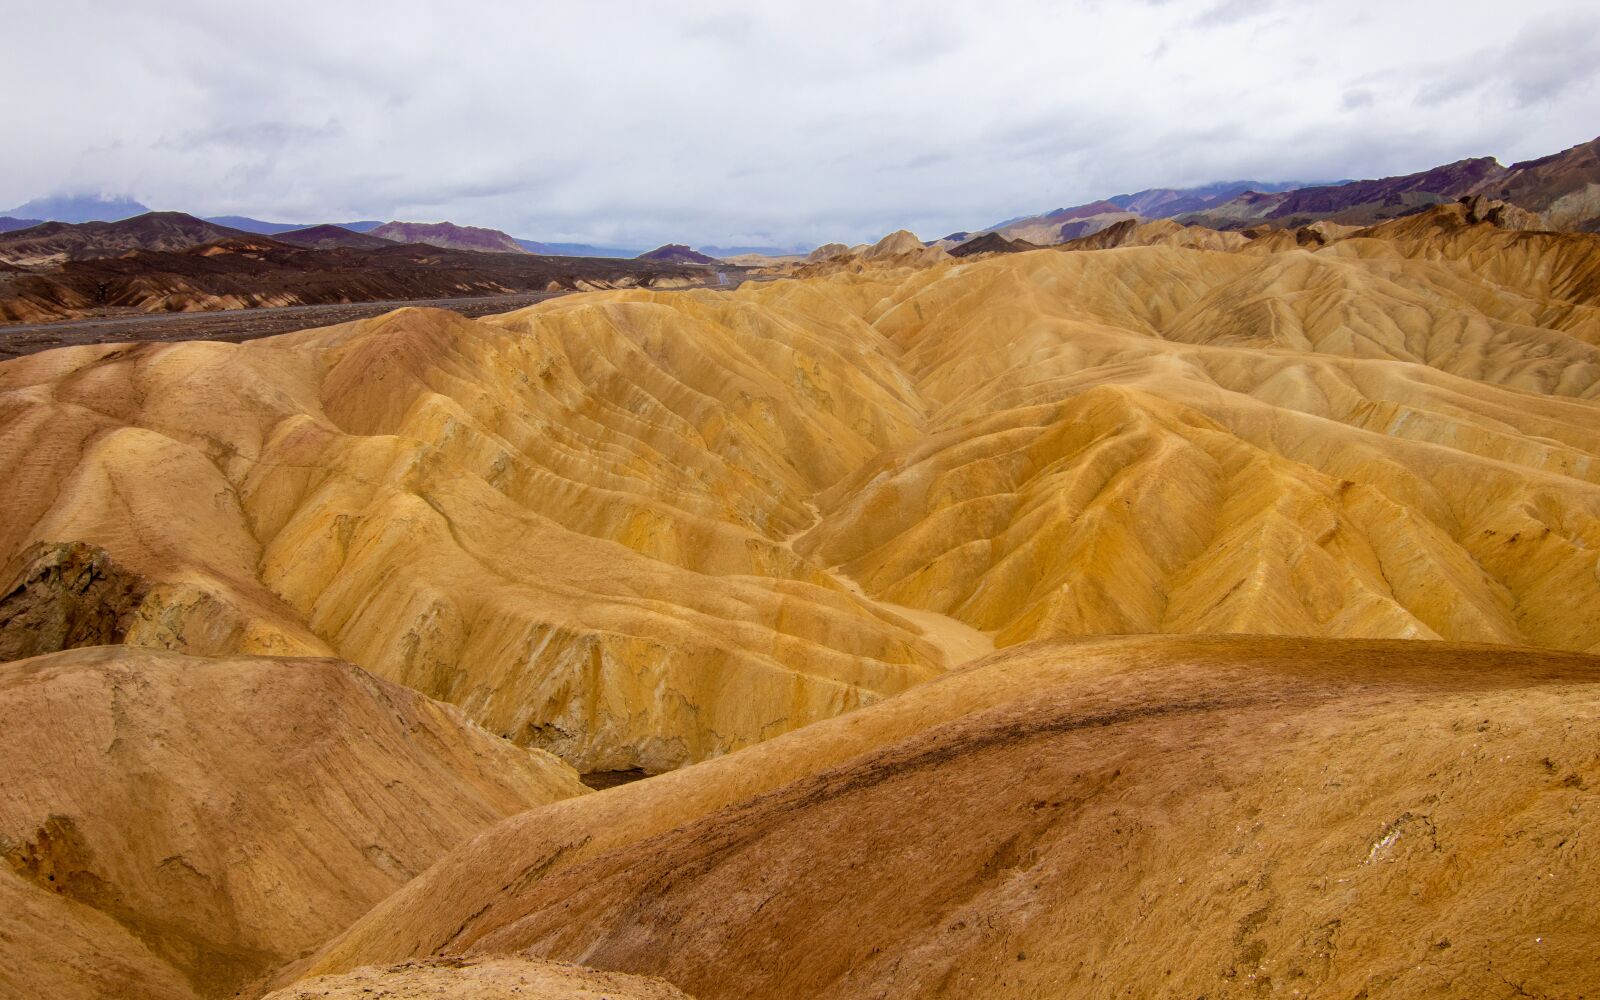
[721, 123]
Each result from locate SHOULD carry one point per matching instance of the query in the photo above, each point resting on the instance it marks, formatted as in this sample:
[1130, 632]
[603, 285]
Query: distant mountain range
[576, 249]
[1166, 202]
[169, 261]
[250, 225]
[1063, 224]
[32, 244]
[101, 208]
[531, 246]
[793, 250]
[1563, 188]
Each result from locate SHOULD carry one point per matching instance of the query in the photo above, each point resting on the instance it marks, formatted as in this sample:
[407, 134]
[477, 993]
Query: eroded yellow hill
[644, 528]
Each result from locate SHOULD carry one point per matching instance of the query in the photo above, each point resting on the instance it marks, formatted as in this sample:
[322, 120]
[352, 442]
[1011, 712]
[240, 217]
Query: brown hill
[1136, 817]
[677, 253]
[449, 236]
[990, 243]
[55, 242]
[174, 826]
[328, 237]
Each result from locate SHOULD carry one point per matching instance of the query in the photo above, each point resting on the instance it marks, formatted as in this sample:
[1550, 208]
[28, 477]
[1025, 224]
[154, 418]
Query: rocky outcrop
[1503, 215]
[62, 595]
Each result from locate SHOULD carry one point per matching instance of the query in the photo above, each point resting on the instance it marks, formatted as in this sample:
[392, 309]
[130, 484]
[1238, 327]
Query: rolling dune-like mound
[1144, 816]
[177, 826]
[644, 528]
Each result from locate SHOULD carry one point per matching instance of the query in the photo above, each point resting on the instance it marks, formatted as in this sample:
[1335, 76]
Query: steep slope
[450, 236]
[1149, 816]
[178, 825]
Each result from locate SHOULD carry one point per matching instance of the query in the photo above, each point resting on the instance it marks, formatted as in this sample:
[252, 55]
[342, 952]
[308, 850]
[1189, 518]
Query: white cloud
[736, 122]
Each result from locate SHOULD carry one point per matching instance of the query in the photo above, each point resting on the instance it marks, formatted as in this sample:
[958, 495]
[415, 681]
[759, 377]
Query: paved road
[235, 325]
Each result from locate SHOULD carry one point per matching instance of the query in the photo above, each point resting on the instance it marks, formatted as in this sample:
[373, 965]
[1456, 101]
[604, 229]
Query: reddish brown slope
[450, 236]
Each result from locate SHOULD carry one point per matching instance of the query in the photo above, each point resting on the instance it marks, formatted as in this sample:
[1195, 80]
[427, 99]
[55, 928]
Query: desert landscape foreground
[1176, 611]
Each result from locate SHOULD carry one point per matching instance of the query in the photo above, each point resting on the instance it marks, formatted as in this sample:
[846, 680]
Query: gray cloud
[1358, 97]
[724, 122]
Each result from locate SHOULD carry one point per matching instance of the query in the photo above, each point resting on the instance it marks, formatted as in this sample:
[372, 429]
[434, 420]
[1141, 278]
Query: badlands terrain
[1174, 611]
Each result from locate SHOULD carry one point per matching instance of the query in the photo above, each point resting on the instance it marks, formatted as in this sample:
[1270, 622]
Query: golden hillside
[176, 826]
[1138, 816]
[644, 528]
